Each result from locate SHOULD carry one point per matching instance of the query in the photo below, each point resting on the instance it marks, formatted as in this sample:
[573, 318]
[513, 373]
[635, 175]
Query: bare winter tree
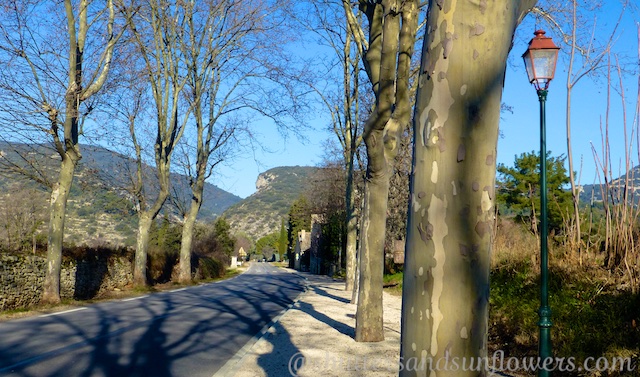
[23, 212]
[446, 276]
[55, 58]
[326, 19]
[587, 48]
[233, 55]
[159, 30]
[389, 46]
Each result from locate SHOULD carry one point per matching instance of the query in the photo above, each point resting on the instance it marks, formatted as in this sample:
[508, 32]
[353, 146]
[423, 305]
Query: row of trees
[452, 195]
[159, 80]
[180, 75]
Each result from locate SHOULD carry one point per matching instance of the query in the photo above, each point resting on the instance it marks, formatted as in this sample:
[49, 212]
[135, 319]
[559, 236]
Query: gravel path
[315, 338]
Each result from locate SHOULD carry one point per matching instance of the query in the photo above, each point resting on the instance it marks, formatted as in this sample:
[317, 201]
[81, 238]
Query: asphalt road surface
[185, 332]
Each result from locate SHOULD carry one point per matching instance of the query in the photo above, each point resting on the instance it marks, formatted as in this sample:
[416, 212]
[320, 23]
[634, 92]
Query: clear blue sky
[239, 176]
[589, 103]
[520, 129]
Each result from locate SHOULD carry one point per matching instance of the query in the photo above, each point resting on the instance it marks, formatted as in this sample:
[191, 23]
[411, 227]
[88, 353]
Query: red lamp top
[540, 60]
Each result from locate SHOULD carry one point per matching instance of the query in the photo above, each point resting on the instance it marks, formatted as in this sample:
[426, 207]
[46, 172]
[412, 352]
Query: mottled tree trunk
[369, 324]
[188, 230]
[145, 220]
[57, 211]
[446, 275]
[394, 27]
[67, 147]
[142, 246]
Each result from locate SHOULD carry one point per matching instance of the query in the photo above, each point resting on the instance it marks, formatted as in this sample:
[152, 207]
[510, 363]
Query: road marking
[179, 289]
[64, 312]
[134, 298]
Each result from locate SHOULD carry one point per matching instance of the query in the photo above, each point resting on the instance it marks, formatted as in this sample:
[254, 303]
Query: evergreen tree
[222, 234]
[282, 240]
[519, 189]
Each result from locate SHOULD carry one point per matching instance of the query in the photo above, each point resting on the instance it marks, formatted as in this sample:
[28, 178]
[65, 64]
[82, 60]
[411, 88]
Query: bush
[215, 242]
[209, 268]
[160, 265]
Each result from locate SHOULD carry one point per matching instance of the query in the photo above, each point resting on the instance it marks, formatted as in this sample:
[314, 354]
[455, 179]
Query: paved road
[186, 332]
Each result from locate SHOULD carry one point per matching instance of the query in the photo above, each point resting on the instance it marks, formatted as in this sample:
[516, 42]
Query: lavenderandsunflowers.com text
[497, 363]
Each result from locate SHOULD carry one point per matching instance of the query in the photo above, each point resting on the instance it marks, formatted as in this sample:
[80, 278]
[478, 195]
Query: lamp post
[540, 61]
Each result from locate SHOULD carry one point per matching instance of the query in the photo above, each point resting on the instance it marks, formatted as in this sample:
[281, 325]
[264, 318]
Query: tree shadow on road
[188, 333]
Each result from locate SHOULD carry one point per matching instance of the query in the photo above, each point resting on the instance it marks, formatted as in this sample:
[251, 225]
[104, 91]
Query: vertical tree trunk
[77, 27]
[350, 145]
[57, 210]
[356, 283]
[187, 233]
[369, 324]
[145, 220]
[446, 275]
[142, 246]
[382, 139]
[352, 231]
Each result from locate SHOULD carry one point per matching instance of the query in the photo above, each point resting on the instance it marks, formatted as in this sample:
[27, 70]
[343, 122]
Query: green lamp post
[540, 61]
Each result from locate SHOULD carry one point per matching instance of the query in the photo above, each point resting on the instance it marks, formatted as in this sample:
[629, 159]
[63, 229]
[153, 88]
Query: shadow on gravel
[285, 359]
[337, 325]
[322, 292]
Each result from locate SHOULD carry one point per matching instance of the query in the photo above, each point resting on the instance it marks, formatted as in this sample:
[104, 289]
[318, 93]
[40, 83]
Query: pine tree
[519, 188]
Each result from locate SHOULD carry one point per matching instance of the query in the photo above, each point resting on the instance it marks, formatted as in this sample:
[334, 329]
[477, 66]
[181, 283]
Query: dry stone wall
[22, 276]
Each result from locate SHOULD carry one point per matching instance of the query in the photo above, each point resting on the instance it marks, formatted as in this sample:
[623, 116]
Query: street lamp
[540, 61]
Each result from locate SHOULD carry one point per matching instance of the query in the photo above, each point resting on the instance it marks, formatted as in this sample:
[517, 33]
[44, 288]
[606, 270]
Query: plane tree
[338, 86]
[236, 73]
[386, 50]
[158, 31]
[446, 273]
[55, 59]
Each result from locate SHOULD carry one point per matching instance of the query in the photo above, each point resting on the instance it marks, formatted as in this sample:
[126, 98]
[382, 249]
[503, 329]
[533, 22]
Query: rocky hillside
[616, 187]
[262, 212]
[100, 209]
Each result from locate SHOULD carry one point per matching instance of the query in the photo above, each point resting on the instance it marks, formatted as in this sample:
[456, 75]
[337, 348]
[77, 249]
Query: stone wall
[303, 242]
[22, 277]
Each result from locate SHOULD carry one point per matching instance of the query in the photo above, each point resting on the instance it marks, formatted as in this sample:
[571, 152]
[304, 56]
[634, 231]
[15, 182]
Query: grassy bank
[594, 314]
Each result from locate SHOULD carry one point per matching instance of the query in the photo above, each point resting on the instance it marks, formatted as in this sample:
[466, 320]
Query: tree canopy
[519, 189]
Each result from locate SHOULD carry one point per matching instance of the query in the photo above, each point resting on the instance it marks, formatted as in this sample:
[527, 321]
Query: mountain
[262, 212]
[100, 209]
[114, 167]
[616, 188]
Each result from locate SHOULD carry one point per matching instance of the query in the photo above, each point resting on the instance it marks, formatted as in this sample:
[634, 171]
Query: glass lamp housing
[540, 60]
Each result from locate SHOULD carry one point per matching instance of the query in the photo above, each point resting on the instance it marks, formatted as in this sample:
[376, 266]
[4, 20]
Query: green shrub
[210, 268]
[160, 264]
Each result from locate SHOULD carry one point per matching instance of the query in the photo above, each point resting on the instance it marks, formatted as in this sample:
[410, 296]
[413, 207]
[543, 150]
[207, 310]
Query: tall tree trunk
[76, 92]
[145, 220]
[142, 246]
[57, 210]
[369, 324]
[351, 143]
[396, 35]
[188, 230]
[446, 273]
[352, 230]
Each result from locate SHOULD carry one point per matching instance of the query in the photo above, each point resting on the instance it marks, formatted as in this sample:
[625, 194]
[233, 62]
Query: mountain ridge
[261, 213]
[100, 209]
